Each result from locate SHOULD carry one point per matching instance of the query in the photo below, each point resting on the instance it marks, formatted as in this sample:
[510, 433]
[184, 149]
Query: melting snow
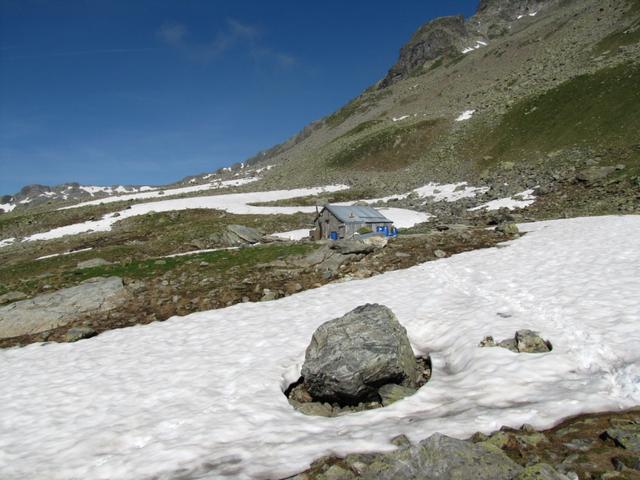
[7, 207]
[7, 241]
[293, 234]
[53, 255]
[520, 200]
[466, 115]
[449, 192]
[165, 193]
[479, 44]
[233, 203]
[201, 396]
[238, 203]
[398, 119]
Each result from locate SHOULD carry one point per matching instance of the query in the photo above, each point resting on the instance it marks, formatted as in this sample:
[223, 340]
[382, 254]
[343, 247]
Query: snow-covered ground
[201, 396]
[159, 193]
[519, 200]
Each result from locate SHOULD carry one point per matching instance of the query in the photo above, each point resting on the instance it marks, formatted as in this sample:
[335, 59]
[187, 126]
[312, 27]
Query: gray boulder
[240, 234]
[53, 310]
[626, 436]
[530, 342]
[540, 471]
[92, 263]
[442, 458]
[593, 175]
[78, 333]
[346, 247]
[350, 357]
[391, 393]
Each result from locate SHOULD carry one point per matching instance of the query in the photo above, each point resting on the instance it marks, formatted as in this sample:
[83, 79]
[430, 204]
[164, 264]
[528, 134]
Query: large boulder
[235, 235]
[52, 310]
[436, 458]
[351, 357]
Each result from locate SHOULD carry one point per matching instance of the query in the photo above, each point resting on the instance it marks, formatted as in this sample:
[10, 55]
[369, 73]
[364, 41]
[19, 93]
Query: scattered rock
[530, 342]
[487, 342]
[92, 263]
[442, 458]
[625, 436]
[594, 174]
[348, 246]
[508, 229]
[392, 393]
[350, 357]
[541, 471]
[440, 254]
[525, 341]
[78, 333]
[12, 297]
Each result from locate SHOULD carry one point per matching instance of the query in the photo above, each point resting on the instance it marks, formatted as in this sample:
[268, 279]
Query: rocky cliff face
[449, 35]
[511, 9]
[435, 38]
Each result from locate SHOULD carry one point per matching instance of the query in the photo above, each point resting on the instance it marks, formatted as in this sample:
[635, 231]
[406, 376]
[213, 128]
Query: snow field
[201, 396]
[146, 192]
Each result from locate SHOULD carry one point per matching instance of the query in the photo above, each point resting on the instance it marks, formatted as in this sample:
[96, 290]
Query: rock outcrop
[436, 38]
[351, 357]
[52, 310]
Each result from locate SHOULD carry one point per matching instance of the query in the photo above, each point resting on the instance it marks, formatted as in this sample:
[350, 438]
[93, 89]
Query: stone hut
[338, 222]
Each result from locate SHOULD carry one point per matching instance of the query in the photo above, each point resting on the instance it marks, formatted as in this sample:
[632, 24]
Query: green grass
[390, 149]
[358, 105]
[620, 38]
[598, 110]
[311, 200]
[219, 262]
[363, 127]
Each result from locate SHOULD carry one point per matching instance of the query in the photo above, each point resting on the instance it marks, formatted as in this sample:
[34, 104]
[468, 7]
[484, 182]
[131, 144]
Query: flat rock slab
[52, 310]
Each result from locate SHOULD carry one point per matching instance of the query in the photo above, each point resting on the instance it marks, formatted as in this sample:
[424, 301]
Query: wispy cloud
[74, 53]
[235, 34]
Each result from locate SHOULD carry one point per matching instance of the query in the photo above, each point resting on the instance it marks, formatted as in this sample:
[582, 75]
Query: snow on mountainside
[202, 396]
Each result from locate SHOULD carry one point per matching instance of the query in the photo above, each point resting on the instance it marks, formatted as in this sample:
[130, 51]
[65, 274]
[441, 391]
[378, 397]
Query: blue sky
[149, 91]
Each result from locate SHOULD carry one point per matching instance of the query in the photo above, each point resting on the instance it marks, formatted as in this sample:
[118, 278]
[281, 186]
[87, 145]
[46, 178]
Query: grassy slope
[599, 111]
[389, 149]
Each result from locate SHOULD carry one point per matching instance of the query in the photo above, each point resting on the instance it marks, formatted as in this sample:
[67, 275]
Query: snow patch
[293, 234]
[6, 242]
[201, 396]
[479, 44]
[466, 115]
[7, 207]
[53, 255]
[165, 193]
[519, 200]
[399, 119]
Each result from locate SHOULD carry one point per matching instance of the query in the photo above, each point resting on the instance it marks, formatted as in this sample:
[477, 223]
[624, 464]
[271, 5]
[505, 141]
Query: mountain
[549, 86]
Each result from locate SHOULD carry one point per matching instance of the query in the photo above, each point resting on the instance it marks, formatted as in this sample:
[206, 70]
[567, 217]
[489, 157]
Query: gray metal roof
[357, 214]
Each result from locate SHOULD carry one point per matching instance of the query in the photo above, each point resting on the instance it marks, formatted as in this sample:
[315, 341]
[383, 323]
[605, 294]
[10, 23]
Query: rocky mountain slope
[548, 87]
